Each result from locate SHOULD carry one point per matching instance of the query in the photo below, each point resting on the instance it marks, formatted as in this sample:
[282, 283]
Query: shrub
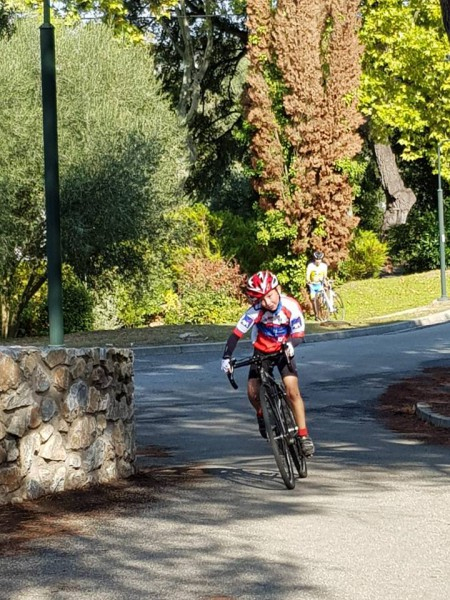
[237, 238]
[134, 298]
[77, 307]
[208, 291]
[415, 245]
[367, 255]
[105, 311]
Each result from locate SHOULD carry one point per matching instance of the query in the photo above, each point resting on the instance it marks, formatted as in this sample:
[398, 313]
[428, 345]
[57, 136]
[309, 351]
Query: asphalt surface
[371, 521]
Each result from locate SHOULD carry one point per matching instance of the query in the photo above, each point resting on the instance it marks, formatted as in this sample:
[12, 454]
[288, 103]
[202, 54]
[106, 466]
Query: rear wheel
[294, 446]
[275, 433]
[322, 311]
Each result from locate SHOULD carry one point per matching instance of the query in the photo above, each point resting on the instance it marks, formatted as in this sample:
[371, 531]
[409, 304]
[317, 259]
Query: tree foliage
[415, 245]
[406, 76]
[301, 107]
[199, 49]
[122, 157]
[445, 8]
[114, 13]
[7, 12]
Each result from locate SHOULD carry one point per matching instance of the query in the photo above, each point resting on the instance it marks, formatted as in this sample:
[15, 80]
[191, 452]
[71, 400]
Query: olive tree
[122, 157]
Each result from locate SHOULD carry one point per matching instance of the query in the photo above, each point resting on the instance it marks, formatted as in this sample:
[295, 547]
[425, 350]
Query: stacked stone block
[66, 419]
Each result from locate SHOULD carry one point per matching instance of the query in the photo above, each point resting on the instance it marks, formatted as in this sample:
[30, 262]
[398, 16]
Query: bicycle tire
[339, 307]
[322, 311]
[275, 433]
[295, 448]
[299, 459]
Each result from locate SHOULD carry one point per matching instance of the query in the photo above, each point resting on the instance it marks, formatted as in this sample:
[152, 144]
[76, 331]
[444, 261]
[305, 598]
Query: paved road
[371, 522]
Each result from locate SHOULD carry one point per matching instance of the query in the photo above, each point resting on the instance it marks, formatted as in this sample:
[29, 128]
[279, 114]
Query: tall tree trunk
[34, 284]
[195, 60]
[4, 322]
[399, 198]
[445, 8]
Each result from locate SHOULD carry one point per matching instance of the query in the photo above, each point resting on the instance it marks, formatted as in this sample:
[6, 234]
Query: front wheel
[339, 308]
[294, 442]
[299, 459]
[322, 310]
[276, 433]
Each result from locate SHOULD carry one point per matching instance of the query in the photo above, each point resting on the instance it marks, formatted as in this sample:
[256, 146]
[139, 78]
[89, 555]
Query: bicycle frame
[328, 302]
[265, 368]
[278, 400]
[328, 293]
[280, 423]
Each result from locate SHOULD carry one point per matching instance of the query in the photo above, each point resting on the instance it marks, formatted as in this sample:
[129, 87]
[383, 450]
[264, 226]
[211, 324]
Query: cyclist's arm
[230, 345]
[244, 325]
[296, 322]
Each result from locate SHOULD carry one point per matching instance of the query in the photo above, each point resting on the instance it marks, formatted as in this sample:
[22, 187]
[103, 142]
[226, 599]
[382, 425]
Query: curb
[427, 321]
[424, 412]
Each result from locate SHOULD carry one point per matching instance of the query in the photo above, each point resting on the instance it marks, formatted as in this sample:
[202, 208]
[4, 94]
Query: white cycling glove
[226, 365]
[290, 350]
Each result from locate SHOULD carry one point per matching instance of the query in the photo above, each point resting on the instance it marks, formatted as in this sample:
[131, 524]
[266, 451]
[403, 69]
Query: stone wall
[66, 419]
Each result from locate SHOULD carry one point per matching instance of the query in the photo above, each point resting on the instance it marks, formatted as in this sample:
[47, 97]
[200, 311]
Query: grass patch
[372, 298]
[367, 302]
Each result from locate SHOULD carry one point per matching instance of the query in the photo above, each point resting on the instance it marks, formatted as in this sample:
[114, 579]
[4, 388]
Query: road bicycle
[280, 423]
[329, 303]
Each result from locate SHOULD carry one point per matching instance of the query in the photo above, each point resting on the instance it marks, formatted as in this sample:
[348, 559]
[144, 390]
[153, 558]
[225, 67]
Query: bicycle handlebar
[236, 364]
[232, 380]
[254, 360]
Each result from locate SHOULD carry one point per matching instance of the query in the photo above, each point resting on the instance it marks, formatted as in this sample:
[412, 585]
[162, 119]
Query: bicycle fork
[286, 419]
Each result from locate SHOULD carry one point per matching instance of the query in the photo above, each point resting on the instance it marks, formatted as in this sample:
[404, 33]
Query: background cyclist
[316, 274]
[277, 319]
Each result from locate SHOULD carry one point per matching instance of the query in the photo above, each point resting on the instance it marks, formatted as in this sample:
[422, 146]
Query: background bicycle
[280, 423]
[329, 303]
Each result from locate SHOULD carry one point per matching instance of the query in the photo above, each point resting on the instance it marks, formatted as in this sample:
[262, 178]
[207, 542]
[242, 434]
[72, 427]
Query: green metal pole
[51, 170]
[441, 228]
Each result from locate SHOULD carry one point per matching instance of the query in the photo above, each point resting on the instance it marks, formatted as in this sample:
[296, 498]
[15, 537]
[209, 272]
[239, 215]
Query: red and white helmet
[260, 284]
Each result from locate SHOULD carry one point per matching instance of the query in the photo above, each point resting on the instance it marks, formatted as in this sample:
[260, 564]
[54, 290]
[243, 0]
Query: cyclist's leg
[314, 288]
[312, 296]
[295, 400]
[290, 380]
[289, 375]
[253, 388]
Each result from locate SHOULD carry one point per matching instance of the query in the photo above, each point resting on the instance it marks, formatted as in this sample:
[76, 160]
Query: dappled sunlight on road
[404, 442]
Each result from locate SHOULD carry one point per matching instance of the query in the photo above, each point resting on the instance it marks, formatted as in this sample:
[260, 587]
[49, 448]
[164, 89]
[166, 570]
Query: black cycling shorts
[280, 362]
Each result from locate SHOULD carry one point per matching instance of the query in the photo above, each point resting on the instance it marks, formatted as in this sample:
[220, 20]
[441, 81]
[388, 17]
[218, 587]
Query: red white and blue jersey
[272, 329]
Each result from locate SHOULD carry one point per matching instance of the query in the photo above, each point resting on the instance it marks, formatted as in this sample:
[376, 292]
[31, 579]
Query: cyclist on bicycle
[316, 275]
[278, 320]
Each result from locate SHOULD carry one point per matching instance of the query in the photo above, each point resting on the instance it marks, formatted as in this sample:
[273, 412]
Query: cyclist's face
[271, 300]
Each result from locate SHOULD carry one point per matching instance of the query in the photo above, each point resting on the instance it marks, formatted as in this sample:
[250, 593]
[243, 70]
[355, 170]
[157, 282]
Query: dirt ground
[396, 407]
[75, 513]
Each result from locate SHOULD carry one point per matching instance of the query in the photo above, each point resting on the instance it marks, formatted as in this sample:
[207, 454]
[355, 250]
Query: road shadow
[192, 522]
